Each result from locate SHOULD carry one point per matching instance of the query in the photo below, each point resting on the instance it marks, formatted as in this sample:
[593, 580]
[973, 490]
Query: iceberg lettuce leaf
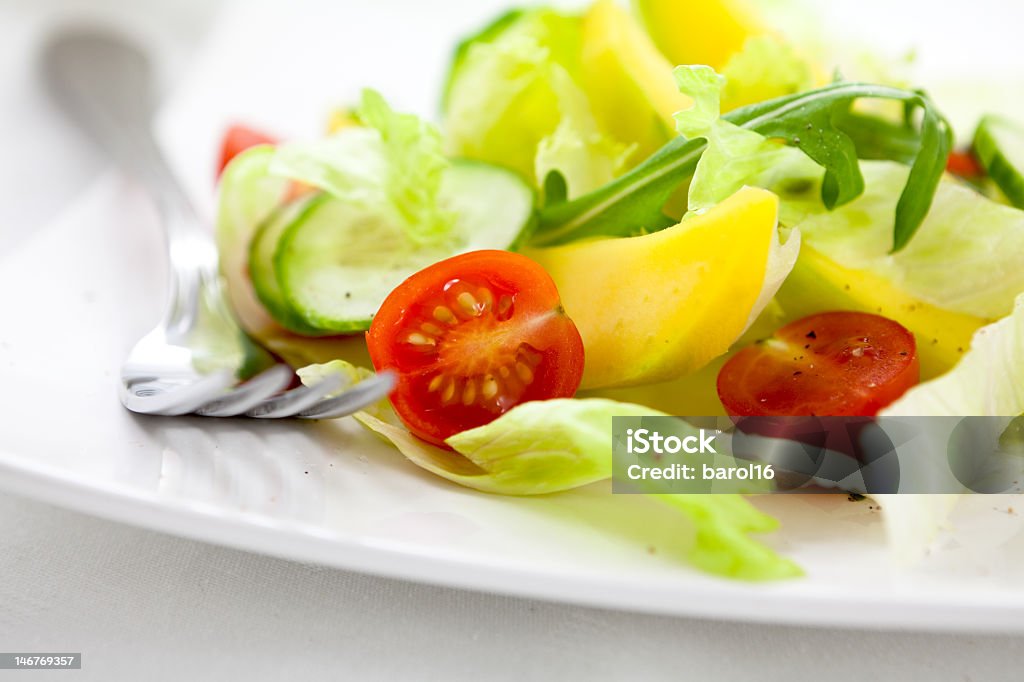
[550, 446]
[766, 67]
[393, 163]
[513, 100]
[966, 256]
[585, 157]
[988, 381]
[734, 156]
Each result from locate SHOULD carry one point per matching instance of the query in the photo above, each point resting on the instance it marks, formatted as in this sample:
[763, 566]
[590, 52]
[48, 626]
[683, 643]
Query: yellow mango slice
[341, 118]
[699, 31]
[817, 283]
[630, 83]
[662, 305]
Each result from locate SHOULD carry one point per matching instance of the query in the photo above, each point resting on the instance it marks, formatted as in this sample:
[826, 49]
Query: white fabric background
[141, 605]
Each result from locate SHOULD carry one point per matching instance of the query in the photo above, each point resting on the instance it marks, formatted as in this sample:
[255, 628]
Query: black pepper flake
[959, 349]
[903, 352]
[797, 373]
[806, 346]
[348, 294]
[811, 335]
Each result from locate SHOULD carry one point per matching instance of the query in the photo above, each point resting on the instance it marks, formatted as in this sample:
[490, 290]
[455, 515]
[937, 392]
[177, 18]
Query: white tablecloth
[144, 606]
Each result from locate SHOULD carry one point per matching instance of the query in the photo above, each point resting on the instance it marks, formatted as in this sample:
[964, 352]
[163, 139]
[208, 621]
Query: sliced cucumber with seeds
[248, 193]
[999, 145]
[336, 262]
[261, 263]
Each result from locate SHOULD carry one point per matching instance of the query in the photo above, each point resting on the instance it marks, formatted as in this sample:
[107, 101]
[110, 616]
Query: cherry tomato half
[964, 165]
[829, 364]
[471, 337]
[237, 139]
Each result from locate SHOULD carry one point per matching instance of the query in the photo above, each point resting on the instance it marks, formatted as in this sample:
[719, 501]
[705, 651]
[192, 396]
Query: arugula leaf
[809, 121]
[555, 189]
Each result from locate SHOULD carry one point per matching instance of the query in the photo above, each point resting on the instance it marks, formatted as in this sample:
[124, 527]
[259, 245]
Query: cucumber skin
[325, 326]
[274, 302]
[1008, 178]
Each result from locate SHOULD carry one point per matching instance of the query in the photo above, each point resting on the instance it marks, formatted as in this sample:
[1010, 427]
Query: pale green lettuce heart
[513, 101]
[734, 156]
[393, 163]
[967, 256]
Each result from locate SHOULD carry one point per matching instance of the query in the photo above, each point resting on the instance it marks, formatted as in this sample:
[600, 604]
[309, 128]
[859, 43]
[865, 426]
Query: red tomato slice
[964, 165]
[470, 338]
[830, 364]
[237, 139]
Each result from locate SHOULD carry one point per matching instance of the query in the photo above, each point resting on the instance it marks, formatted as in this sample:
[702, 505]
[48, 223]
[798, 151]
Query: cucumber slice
[261, 263]
[248, 195]
[999, 145]
[336, 262]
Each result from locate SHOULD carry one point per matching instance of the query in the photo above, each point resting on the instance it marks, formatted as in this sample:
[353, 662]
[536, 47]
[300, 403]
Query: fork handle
[103, 84]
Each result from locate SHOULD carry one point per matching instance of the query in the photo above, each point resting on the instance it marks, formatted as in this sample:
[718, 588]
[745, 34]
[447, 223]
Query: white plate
[78, 294]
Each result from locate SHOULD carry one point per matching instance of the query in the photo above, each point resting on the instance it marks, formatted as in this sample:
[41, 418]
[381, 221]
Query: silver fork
[197, 360]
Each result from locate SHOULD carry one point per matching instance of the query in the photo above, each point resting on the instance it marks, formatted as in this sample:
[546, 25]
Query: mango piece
[694, 394]
[662, 305]
[341, 118]
[817, 283]
[629, 82]
[699, 31]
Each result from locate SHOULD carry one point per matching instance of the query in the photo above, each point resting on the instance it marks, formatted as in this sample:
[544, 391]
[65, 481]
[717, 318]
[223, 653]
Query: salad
[667, 209]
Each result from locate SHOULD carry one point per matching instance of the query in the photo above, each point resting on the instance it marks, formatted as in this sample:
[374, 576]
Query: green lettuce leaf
[550, 446]
[535, 448]
[988, 381]
[734, 156]
[766, 67]
[393, 163]
[415, 163]
[577, 150]
[722, 544]
[512, 100]
[966, 256]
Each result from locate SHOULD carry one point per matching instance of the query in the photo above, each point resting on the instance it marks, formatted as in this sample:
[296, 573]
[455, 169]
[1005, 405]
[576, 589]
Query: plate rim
[715, 599]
